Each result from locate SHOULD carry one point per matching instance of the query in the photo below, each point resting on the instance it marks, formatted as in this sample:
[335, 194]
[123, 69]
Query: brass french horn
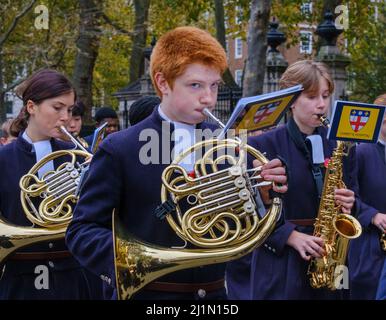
[56, 193]
[221, 222]
[383, 241]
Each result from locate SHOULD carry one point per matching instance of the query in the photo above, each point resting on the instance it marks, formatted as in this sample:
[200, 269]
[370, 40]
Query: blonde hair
[308, 74]
[182, 46]
[381, 100]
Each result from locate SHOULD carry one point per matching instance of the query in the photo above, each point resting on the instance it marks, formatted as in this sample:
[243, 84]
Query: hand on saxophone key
[345, 198]
[379, 220]
[307, 246]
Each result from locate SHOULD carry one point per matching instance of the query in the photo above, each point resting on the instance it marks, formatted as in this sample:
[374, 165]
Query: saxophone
[334, 227]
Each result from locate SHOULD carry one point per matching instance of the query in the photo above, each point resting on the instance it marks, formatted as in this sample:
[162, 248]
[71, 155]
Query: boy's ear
[161, 83]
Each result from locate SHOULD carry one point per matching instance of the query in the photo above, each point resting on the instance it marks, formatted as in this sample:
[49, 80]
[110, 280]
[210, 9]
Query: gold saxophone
[334, 227]
[383, 241]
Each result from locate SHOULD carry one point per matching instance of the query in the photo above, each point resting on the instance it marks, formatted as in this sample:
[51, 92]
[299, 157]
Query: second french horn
[47, 201]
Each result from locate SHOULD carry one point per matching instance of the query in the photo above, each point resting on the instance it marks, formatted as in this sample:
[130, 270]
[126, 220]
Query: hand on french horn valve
[275, 172]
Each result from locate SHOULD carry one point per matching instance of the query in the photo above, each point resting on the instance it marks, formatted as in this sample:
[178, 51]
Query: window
[9, 107]
[237, 13]
[238, 77]
[306, 42]
[238, 48]
[306, 8]
[376, 13]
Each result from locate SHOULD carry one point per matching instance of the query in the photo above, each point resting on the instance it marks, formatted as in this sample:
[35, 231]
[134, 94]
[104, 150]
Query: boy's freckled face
[195, 89]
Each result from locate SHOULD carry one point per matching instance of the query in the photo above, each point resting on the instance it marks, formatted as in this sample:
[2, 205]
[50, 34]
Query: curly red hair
[182, 46]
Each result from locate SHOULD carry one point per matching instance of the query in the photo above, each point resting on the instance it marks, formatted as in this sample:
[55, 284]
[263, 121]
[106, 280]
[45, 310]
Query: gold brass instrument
[334, 227]
[81, 141]
[383, 241]
[56, 192]
[221, 221]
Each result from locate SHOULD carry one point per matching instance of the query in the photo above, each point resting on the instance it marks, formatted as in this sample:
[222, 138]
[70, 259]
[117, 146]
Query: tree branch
[4, 37]
[13, 85]
[116, 26]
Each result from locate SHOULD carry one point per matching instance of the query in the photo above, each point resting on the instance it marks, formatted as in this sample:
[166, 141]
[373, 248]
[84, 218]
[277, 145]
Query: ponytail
[20, 123]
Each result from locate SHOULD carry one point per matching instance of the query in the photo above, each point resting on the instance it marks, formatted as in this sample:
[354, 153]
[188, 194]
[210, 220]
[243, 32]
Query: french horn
[221, 222]
[47, 201]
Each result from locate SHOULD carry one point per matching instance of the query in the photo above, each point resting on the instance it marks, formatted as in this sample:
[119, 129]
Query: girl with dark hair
[45, 270]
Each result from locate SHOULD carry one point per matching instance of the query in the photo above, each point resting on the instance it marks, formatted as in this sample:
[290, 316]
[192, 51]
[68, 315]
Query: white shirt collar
[176, 123]
[26, 137]
[41, 149]
[184, 137]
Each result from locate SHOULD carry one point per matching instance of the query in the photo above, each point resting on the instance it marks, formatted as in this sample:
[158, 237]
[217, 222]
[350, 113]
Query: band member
[45, 270]
[5, 135]
[186, 66]
[279, 267]
[142, 108]
[74, 125]
[102, 115]
[366, 256]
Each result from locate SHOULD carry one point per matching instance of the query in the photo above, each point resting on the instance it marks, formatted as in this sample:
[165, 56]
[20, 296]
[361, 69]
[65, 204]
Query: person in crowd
[366, 256]
[142, 108]
[186, 68]
[279, 268]
[103, 115]
[44, 270]
[5, 135]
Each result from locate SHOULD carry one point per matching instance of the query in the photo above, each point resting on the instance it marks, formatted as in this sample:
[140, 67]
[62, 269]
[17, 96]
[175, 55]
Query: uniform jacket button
[201, 293]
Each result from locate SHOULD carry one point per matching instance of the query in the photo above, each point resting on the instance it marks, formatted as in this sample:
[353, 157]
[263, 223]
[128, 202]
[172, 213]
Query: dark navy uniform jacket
[277, 270]
[68, 280]
[366, 256]
[89, 139]
[381, 292]
[117, 179]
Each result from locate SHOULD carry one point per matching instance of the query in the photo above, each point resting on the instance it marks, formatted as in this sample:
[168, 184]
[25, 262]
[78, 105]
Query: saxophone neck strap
[297, 138]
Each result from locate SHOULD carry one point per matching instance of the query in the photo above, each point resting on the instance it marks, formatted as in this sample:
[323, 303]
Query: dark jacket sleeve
[277, 241]
[89, 235]
[362, 211]
[278, 238]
